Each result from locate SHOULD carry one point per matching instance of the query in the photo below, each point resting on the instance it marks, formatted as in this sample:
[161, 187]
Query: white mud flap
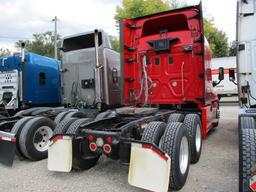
[149, 168]
[60, 154]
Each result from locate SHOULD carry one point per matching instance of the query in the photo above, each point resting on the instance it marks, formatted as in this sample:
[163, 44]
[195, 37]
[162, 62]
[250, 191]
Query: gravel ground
[217, 169]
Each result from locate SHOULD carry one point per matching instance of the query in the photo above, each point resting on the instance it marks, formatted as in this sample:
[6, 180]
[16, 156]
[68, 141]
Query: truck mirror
[221, 73]
[232, 74]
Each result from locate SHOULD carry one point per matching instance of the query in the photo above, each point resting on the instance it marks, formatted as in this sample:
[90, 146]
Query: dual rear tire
[33, 134]
[181, 139]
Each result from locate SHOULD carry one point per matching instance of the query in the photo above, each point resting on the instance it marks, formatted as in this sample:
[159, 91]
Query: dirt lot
[217, 169]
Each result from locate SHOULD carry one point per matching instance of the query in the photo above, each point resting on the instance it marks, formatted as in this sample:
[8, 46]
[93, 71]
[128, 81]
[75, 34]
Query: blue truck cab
[33, 82]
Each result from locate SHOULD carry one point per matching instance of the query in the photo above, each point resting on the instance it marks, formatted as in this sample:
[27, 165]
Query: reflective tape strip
[162, 155]
[7, 139]
[58, 137]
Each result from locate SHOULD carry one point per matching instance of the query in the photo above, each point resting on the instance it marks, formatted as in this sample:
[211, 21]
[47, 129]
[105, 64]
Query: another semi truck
[226, 87]
[168, 104]
[29, 87]
[246, 80]
[88, 81]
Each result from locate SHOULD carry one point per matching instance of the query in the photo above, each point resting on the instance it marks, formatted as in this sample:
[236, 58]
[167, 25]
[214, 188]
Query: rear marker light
[93, 147]
[90, 138]
[107, 148]
[109, 139]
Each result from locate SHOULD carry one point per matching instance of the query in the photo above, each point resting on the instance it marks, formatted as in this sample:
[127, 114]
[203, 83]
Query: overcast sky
[22, 18]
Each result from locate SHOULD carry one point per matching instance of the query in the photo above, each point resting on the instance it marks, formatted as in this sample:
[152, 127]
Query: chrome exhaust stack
[98, 71]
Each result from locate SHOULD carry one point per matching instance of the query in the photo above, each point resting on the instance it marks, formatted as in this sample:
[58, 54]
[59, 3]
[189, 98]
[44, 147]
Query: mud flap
[149, 168]
[7, 148]
[60, 154]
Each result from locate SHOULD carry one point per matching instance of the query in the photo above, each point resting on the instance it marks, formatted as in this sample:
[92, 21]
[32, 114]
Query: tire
[32, 130]
[40, 111]
[175, 136]
[153, 132]
[194, 129]
[247, 157]
[16, 129]
[63, 126]
[60, 116]
[27, 112]
[106, 114]
[76, 114]
[247, 123]
[176, 117]
[82, 160]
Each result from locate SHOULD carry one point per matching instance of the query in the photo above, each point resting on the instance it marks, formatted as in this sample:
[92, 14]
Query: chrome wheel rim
[198, 138]
[184, 154]
[41, 138]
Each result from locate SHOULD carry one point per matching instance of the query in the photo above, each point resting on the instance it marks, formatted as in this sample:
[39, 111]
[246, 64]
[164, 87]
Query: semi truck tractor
[246, 80]
[168, 104]
[86, 82]
[29, 87]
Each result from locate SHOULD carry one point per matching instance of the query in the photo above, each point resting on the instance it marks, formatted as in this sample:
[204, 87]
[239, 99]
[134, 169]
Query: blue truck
[34, 82]
[30, 96]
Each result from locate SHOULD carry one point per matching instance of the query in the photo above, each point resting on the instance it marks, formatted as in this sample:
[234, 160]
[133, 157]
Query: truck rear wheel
[176, 144]
[247, 158]
[16, 129]
[194, 129]
[153, 132]
[34, 137]
[176, 117]
[63, 126]
[82, 160]
[247, 123]
[60, 116]
[76, 114]
[105, 114]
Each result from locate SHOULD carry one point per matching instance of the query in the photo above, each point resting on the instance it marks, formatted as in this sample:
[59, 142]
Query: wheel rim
[198, 138]
[41, 138]
[184, 152]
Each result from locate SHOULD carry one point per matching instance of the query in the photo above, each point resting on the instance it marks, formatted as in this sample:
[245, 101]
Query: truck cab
[32, 82]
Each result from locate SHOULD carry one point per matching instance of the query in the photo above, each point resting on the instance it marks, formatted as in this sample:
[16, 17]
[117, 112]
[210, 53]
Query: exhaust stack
[22, 52]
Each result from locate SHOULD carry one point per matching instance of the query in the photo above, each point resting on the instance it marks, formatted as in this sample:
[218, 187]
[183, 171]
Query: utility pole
[55, 20]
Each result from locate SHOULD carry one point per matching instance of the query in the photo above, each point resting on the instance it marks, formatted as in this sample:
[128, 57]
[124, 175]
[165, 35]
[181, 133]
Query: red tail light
[109, 139]
[90, 138]
[107, 148]
[93, 146]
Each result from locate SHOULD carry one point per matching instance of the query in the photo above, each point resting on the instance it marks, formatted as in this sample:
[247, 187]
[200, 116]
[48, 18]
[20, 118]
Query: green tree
[41, 44]
[136, 8]
[232, 49]
[217, 39]
[115, 43]
[5, 52]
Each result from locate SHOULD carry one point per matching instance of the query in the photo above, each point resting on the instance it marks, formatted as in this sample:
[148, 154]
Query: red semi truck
[168, 99]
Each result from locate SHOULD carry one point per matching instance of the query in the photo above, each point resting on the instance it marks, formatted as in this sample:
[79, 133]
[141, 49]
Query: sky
[22, 18]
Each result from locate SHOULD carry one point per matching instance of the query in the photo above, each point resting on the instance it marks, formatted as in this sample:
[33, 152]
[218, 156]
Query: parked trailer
[246, 64]
[169, 105]
[88, 83]
[29, 84]
[226, 87]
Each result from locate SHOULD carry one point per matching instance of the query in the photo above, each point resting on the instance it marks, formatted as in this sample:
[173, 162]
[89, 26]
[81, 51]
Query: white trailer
[225, 87]
[246, 65]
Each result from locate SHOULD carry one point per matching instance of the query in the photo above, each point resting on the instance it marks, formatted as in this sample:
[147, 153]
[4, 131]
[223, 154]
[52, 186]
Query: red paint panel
[174, 76]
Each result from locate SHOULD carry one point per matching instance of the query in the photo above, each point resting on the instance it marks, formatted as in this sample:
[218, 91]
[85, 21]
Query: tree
[115, 43]
[41, 44]
[232, 49]
[5, 52]
[217, 39]
[136, 8]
